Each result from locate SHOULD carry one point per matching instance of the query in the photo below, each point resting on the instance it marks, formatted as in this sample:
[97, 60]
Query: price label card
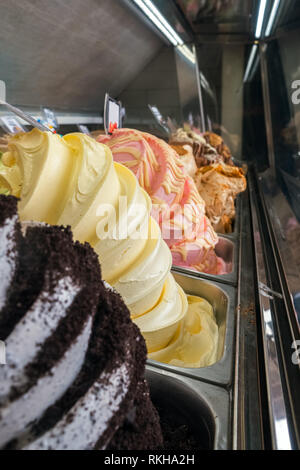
[112, 114]
[83, 129]
[11, 125]
[50, 118]
[156, 113]
[2, 90]
[159, 118]
[209, 124]
[191, 119]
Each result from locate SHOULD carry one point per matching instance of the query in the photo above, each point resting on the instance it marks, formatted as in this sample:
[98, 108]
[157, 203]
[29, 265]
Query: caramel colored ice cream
[219, 185]
[204, 153]
[208, 148]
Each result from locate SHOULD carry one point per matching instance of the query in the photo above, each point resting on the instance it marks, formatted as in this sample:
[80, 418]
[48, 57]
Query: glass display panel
[284, 83]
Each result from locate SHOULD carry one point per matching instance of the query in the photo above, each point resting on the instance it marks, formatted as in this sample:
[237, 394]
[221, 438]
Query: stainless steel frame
[223, 300]
[248, 429]
[201, 404]
[278, 413]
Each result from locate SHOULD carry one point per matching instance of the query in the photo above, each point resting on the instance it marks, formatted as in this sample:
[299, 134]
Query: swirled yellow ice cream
[195, 342]
[72, 180]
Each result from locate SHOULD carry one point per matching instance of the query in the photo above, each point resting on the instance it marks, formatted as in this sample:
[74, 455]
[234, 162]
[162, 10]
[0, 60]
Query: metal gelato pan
[223, 300]
[184, 403]
[227, 249]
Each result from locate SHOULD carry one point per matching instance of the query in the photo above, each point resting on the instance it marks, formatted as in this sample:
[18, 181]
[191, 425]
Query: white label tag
[11, 125]
[50, 118]
[2, 90]
[191, 119]
[83, 129]
[112, 114]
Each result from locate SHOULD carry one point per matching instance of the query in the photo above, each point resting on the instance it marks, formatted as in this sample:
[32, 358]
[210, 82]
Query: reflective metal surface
[222, 68]
[206, 408]
[248, 432]
[227, 249]
[223, 300]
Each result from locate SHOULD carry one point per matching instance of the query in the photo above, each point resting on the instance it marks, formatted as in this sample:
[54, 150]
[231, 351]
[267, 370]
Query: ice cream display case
[201, 261]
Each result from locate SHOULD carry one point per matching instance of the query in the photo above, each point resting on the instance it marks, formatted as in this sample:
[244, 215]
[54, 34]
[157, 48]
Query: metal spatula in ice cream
[25, 116]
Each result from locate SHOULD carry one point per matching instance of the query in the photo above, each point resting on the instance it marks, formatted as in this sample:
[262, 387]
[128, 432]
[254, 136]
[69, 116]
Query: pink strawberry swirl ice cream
[177, 205]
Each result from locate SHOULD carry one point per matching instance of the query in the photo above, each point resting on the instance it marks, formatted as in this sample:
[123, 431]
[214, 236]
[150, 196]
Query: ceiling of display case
[67, 54]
